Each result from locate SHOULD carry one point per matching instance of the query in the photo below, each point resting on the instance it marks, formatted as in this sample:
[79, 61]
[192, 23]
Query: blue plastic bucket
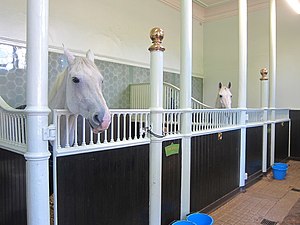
[183, 222]
[279, 170]
[200, 219]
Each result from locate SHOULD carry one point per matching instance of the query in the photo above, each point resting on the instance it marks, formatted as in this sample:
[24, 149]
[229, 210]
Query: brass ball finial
[264, 74]
[156, 35]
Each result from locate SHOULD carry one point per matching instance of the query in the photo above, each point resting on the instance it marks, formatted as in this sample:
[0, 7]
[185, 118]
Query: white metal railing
[171, 96]
[12, 127]
[255, 116]
[126, 126]
[199, 105]
[130, 126]
[140, 97]
[171, 122]
[282, 114]
[212, 119]
[278, 114]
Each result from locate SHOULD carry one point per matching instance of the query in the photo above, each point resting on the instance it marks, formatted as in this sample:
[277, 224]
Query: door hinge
[49, 133]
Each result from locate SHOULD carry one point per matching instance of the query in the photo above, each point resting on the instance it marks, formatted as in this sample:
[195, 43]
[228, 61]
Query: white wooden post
[156, 107]
[243, 85]
[37, 174]
[185, 103]
[273, 68]
[264, 105]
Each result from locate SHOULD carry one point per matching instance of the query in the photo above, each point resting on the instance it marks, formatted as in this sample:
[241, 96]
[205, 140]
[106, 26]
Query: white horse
[224, 96]
[79, 89]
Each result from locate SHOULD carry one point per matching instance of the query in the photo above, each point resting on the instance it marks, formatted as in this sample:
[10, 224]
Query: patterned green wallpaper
[117, 78]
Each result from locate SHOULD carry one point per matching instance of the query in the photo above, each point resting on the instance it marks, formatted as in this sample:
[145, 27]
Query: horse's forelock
[83, 65]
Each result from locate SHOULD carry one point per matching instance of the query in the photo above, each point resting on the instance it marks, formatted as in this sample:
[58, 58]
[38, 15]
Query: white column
[242, 100]
[264, 105]
[185, 103]
[272, 54]
[37, 174]
[156, 107]
[273, 68]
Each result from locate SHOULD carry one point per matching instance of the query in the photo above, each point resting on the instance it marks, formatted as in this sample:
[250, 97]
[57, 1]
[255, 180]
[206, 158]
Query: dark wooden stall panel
[12, 188]
[281, 141]
[104, 188]
[254, 141]
[214, 168]
[295, 133]
[171, 184]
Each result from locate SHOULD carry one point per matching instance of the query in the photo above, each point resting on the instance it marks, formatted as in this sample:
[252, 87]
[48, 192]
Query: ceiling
[211, 3]
[207, 10]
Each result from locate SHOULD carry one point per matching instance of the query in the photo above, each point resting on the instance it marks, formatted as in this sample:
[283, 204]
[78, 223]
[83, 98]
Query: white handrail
[12, 128]
[215, 119]
[140, 97]
[128, 126]
[255, 116]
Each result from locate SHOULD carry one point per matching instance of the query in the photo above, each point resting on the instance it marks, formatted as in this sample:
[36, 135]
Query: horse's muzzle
[100, 122]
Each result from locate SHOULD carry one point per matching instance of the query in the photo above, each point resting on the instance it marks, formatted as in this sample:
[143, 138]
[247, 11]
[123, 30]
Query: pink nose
[106, 121]
[100, 121]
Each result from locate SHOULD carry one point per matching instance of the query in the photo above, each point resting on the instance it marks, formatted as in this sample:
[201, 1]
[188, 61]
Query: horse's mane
[58, 83]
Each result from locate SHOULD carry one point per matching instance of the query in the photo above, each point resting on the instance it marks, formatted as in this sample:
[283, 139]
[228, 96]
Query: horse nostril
[97, 118]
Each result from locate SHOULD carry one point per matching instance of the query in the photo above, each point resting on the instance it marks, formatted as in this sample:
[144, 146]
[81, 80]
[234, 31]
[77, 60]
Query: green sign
[172, 149]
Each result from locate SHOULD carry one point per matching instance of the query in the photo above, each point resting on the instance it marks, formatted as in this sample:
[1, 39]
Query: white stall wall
[221, 56]
[288, 58]
[119, 31]
[115, 30]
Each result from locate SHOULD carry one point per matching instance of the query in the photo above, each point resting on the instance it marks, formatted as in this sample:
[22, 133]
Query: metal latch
[247, 117]
[49, 133]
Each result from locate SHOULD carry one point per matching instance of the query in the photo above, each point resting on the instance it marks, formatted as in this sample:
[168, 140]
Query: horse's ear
[220, 85]
[229, 85]
[69, 55]
[90, 55]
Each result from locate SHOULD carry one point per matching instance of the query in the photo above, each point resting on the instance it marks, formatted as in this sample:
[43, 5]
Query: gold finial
[156, 35]
[264, 74]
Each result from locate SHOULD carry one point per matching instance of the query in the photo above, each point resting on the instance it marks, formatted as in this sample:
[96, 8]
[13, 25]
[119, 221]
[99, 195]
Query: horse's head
[84, 91]
[224, 96]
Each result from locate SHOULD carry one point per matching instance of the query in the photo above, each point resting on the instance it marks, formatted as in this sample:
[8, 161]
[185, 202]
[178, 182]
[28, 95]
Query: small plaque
[172, 149]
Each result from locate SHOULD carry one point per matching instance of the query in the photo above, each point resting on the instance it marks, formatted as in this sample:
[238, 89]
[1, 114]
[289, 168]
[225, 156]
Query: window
[12, 57]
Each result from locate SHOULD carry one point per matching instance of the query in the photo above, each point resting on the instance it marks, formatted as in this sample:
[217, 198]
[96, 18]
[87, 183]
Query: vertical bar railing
[13, 127]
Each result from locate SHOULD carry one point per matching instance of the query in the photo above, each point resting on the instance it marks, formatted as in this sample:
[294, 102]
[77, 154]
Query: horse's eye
[221, 96]
[75, 80]
[230, 96]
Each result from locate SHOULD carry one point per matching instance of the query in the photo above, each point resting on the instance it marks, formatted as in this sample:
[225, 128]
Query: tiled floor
[267, 199]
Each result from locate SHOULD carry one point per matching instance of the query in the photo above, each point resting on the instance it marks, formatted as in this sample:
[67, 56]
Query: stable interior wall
[116, 85]
[116, 31]
[221, 56]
